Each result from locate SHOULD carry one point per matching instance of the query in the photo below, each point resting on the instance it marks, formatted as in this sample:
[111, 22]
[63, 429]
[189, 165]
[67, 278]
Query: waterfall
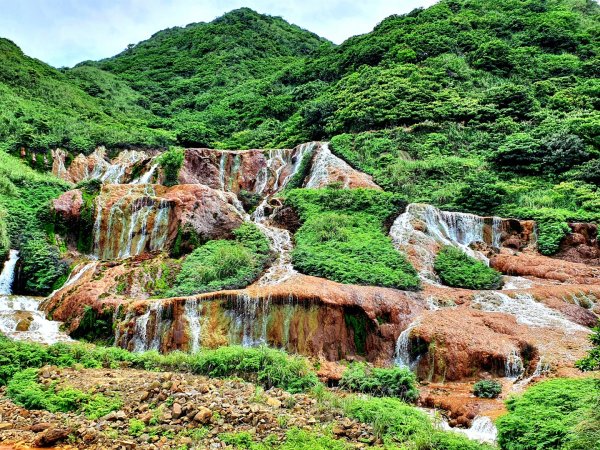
[402, 357]
[513, 366]
[324, 165]
[146, 338]
[115, 172]
[193, 318]
[8, 273]
[526, 309]
[222, 164]
[482, 429]
[249, 320]
[280, 240]
[135, 223]
[147, 176]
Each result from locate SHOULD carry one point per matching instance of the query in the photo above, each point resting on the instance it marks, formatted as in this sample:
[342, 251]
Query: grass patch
[25, 390]
[223, 264]
[457, 269]
[262, 365]
[547, 415]
[343, 237]
[381, 382]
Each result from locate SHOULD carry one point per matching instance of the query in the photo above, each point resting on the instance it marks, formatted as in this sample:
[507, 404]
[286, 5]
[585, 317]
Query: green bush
[382, 382]
[399, 424]
[25, 390]
[487, 389]
[342, 237]
[546, 415]
[457, 269]
[592, 359]
[223, 264]
[170, 162]
[265, 366]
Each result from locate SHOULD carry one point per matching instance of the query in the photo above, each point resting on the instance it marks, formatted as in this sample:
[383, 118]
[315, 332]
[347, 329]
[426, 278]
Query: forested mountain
[414, 212]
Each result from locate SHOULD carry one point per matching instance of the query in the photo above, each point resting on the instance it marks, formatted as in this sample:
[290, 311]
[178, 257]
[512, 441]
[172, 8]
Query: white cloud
[65, 32]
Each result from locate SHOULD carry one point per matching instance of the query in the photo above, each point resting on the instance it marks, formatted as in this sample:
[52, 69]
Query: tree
[520, 153]
[481, 194]
[562, 151]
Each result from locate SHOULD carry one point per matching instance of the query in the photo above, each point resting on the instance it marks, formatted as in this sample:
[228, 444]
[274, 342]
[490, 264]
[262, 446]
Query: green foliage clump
[94, 326]
[546, 415]
[342, 237]
[170, 162]
[24, 196]
[25, 390]
[487, 389]
[295, 439]
[457, 269]
[382, 382]
[265, 366]
[402, 426]
[41, 267]
[224, 264]
[592, 359]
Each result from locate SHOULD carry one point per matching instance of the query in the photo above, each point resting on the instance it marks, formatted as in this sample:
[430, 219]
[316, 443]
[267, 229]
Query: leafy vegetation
[262, 365]
[342, 237]
[402, 426]
[24, 215]
[170, 162]
[382, 382]
[456, 268]
[487, 389]
[592, 359]
[25, 390]
[547, 415]
[223, 264]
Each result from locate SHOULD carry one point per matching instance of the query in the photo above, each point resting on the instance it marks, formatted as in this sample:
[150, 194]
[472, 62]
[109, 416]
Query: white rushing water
[526, 309]
[20, 317]
[482, 428]
[8, 273]
[402, 356]
[193, 317]
[422, 228]
[324, 164]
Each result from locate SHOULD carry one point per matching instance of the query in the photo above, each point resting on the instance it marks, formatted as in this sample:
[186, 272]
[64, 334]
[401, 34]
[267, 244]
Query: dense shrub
[223, 264]
[481, 194]
[457, 269]
[382, 382]
[487, 389]
[342, 237]
[592, 359]
[397, 424]
[546, 415]
[41, 267]
[170, 163]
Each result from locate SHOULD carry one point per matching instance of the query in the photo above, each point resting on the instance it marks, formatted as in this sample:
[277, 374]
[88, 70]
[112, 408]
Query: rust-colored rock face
[68, 205]
[133, 219]
[581, 245]
[538, 266]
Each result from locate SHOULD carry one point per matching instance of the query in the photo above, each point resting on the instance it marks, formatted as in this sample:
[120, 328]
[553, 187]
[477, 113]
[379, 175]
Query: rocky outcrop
[542, 267]
[133, 219]
[68, 206]
[581, 245]
[97, 165]
[266, 172]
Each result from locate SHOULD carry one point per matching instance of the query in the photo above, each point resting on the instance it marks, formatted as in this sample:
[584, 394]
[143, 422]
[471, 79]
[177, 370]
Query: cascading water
[20, 317]
[280, 239]
[134, 224]
[324, 164]
[193, 318]
[147, 176]
[526, 309]
[422, 229]
[513, 366]
[149, 328]
[482, 428]
[402, 357]
[8, 273]
[249, 320]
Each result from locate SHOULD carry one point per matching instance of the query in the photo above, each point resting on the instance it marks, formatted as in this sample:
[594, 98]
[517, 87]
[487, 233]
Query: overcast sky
[65, 32]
